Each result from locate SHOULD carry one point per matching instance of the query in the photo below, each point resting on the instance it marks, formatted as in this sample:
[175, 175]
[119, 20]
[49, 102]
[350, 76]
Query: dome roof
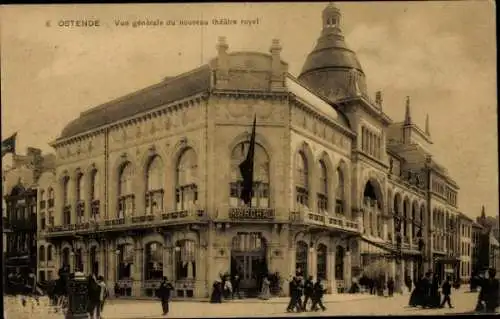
[331, 65]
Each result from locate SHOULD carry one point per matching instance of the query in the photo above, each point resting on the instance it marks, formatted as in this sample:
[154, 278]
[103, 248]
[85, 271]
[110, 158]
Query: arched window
[154, 261]
[50, 197]
[94, 194]
[154, 186]
[79, 260]
[67, 207]
[185, 260]
[125, 260]
[65, 257]
[79, 187]
[260, 194]
[321, 262]
[42, 199]
[414, 220]
[66, 190]
[49, 252]
[301, 256]
[405, 219]
[323, 187]
[125, 191]
[94, 261]
[41, 253]
[340, 192]
[339, 263]
[186, 189]
[302, 179]
[80, 204]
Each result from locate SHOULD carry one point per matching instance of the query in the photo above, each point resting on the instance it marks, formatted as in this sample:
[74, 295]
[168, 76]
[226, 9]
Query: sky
[441, 54]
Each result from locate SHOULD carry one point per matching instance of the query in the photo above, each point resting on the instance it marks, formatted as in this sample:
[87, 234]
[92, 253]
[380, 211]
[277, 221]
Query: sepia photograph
[191, 160]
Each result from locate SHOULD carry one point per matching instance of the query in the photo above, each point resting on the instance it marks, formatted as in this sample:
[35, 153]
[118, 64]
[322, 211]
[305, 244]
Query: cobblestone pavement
[464, 303]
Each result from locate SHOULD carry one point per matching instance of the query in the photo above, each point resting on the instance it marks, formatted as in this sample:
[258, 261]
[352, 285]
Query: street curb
[278, 300]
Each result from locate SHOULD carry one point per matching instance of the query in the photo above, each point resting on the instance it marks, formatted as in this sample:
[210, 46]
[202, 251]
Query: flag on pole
[246, 169]
[9, 145]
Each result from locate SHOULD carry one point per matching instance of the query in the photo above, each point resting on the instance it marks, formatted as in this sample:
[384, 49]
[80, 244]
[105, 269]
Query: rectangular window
[41, 276]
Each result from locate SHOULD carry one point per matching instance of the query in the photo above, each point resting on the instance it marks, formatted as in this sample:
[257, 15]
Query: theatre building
[149, 185]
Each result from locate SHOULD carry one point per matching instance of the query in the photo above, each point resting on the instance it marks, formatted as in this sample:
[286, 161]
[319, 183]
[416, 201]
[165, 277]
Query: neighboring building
[466, 247]
[478, 261]
[489, 255]
[20, 195]
[148, 185]
[47, 266]
[494, 252]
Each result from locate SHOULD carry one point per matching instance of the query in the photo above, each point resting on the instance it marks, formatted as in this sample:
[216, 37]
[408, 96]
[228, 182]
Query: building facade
[20, 200]
[149, 185]
[466, 247]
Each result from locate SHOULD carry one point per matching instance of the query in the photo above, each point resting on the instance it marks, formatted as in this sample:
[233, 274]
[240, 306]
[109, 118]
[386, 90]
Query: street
[463, 301]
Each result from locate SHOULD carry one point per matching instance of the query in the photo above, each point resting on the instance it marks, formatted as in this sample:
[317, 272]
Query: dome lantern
[330, 66]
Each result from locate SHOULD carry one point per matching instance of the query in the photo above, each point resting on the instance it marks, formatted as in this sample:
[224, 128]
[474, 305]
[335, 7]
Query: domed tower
[332, 69]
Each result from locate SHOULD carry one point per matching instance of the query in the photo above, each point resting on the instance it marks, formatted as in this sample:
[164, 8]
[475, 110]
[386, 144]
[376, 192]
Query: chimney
[427, 129]
[378, 98]
[222, 72]
[407, 112]
[277, 74]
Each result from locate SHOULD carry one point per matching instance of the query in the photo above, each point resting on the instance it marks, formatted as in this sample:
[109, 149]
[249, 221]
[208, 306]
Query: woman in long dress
[265, 292]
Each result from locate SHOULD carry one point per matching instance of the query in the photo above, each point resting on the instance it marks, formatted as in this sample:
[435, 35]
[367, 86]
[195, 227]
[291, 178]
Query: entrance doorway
[248, 260]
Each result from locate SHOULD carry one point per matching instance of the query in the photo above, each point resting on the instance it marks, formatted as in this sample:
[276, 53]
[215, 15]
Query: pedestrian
[390, 286]
[308, 291]
[492, 293]
[435, 296]
[216, 296]
[293, 291]
[300, 293]
[408, 283]
[163, 293]
[102, 296]
[93, 294]
[236, 286]
[265, 293]
[228, 288]
[426, 290]
[318, 292]
[446, 290]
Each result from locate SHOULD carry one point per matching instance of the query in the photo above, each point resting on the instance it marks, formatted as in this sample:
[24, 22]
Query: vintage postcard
[249, 159]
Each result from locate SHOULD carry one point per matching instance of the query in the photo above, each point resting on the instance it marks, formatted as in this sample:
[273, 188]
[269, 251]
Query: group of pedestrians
[488, 296]
[308, 289]
[428, 291]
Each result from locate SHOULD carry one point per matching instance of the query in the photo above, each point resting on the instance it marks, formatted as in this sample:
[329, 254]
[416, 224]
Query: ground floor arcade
[192, 257]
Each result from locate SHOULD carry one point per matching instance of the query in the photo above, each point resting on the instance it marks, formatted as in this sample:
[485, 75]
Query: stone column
[347, 270]
[111, 262]
[85, 259]
[311, 263]
[138, 273]
[101, 257]
[385, 231]
[167, 262]
[330, 270]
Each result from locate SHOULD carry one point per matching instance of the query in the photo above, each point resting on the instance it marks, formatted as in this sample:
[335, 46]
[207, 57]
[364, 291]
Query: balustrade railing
[322, 219]
[182, 215]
